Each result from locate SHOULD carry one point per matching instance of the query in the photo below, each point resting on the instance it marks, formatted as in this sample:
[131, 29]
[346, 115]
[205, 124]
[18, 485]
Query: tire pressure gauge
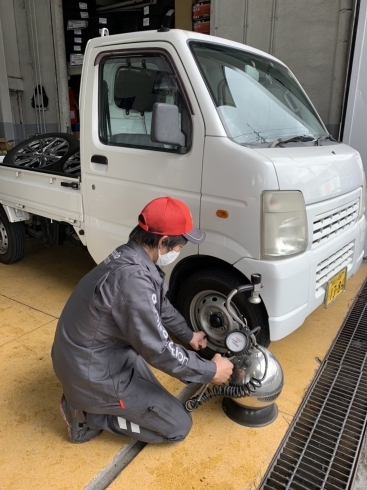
[237, 342]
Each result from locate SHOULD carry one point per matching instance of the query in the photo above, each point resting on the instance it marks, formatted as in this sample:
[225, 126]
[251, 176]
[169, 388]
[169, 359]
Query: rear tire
[201, 301]
[12, 239]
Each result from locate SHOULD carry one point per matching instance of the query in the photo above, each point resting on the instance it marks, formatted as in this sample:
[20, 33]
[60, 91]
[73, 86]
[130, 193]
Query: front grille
[334, 264]
[321, 447]
[330, 224]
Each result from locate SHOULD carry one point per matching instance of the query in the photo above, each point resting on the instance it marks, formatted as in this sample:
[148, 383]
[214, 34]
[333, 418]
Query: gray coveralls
[117, 318]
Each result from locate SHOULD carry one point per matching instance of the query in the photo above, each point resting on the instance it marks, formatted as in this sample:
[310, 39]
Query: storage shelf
[74, 70]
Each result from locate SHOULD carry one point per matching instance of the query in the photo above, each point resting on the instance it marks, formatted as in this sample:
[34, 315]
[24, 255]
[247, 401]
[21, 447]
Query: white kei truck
[227, 129]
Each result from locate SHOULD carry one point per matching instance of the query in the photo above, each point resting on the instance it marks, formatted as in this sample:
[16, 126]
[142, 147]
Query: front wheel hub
[215, 321]
[208, 313]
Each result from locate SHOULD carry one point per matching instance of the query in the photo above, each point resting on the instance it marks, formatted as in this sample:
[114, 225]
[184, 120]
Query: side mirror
[165, 128]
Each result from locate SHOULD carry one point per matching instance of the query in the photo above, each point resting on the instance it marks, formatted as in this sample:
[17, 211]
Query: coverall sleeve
[135, 313]
[175, 323]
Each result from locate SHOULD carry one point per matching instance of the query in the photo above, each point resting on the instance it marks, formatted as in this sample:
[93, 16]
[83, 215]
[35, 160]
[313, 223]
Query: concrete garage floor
[35, 451]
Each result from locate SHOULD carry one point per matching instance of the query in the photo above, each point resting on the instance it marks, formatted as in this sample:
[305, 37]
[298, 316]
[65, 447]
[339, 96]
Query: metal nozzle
[254, 298]
[255, 295]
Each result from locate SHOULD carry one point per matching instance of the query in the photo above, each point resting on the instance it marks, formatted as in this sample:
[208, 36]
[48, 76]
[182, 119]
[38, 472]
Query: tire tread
[17, 240]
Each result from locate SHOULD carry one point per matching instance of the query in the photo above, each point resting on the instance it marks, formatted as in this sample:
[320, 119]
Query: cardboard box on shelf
[202, 26]
[201, 10]
[76, 59]
[6, 144]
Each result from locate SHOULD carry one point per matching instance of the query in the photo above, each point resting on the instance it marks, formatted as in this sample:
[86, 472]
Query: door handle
[101, 159]
[73, 185]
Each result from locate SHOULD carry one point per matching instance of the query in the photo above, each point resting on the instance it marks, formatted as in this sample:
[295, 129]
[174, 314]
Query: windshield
[258, 100]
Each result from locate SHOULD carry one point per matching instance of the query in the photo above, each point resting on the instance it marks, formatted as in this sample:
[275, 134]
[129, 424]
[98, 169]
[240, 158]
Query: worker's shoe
[78, 429]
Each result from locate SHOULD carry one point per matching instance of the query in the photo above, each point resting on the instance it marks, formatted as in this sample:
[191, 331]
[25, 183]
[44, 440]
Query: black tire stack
[150, 17]
[77, 17]
[83, 22]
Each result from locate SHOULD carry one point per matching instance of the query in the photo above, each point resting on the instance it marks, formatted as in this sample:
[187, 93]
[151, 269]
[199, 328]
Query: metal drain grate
[321, 446]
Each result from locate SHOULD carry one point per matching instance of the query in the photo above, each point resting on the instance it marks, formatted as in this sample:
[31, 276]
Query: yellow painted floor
[34, 450]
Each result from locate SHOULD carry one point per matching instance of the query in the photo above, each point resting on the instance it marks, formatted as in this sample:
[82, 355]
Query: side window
[129, 87]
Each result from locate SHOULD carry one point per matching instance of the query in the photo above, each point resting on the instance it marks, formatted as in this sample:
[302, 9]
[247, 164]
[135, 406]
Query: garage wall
[356, 114]
[26, 61]
[356, 110]
[311, 37]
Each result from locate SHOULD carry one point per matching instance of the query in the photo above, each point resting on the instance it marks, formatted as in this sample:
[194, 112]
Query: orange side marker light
[222, 213]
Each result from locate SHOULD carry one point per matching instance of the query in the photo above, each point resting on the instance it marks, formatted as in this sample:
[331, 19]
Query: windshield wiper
[296, 137]
[326, 137]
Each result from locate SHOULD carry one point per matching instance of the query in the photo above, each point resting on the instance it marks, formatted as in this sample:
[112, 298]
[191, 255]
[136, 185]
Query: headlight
[284, 224]
[363, 199]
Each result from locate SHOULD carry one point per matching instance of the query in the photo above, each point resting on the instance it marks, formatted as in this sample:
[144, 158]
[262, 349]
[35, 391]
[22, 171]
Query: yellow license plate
[335, 287]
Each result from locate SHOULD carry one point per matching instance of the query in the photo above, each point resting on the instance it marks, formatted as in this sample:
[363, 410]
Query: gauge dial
[237, 341]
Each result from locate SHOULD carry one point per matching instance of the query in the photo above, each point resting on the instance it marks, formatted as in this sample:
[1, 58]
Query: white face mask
[167, 258]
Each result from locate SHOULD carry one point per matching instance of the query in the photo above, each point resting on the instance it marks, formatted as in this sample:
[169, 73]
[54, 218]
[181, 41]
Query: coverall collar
[156, 271]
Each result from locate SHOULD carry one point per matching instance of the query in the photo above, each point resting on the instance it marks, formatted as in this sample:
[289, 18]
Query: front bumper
[290, 291]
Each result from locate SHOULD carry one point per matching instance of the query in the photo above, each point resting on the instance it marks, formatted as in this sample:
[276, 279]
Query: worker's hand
[224, 369]
[198, 341]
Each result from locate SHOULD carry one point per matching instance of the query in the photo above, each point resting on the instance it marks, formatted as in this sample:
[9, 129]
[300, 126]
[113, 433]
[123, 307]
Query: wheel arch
[194, 263]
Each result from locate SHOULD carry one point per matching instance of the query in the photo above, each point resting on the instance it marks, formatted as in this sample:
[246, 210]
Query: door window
[129, 88]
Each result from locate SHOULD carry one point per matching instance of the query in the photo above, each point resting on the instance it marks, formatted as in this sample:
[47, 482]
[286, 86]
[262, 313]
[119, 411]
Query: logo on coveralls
[174, 349]
[113, 255]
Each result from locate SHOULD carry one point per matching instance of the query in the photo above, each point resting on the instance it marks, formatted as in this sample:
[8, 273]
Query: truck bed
[42, 193]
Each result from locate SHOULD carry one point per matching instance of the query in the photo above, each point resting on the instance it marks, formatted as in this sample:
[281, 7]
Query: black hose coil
[231, 391]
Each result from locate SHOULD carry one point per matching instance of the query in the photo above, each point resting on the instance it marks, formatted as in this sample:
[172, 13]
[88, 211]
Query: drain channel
[321, 447]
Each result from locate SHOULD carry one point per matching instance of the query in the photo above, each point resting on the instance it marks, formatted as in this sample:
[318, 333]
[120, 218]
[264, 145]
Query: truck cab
[229, 130]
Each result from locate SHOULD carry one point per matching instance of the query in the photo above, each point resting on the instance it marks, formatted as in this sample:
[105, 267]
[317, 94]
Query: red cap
[168, 216]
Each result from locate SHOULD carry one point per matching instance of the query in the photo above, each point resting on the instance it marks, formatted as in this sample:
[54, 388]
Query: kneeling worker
[116, 321]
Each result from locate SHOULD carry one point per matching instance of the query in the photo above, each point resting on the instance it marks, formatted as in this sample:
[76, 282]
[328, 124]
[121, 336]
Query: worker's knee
[183, 428]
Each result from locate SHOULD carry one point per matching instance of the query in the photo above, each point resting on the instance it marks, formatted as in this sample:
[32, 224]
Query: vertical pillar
[6, 115]
[340, 66]
[274, 18]
[60, 66]
[245, 23]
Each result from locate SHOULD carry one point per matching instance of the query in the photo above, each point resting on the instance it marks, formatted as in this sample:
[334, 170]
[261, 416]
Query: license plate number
[335, 287]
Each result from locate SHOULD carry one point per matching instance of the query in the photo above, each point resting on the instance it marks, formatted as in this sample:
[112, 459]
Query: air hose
[230, 391]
